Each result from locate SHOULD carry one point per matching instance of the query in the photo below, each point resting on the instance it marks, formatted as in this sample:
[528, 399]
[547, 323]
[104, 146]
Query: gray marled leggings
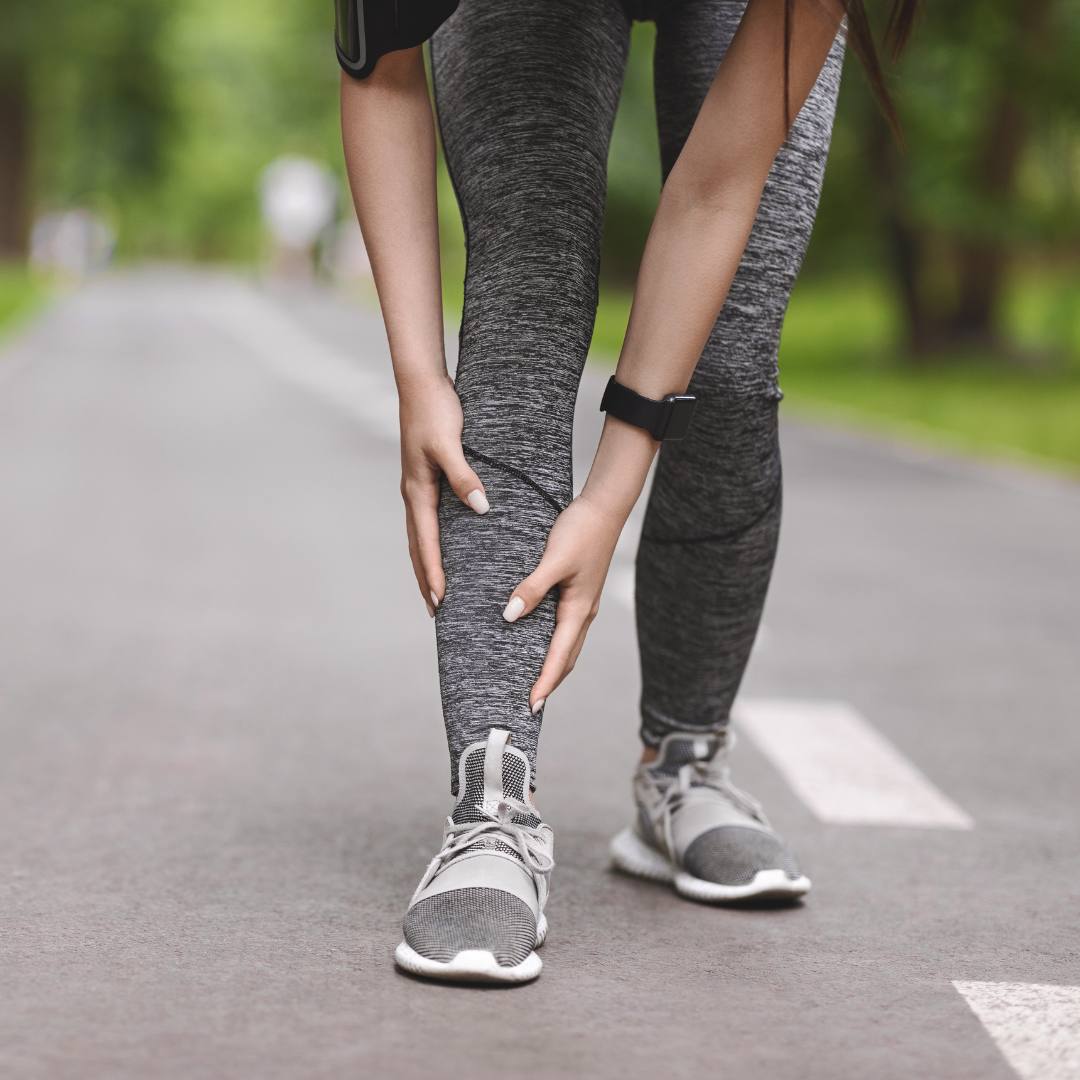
[526, 92]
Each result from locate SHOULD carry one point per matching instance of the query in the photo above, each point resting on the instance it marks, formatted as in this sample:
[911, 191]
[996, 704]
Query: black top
[367, 29]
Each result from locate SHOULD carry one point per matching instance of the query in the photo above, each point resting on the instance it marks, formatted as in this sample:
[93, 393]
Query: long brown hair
[860, 36]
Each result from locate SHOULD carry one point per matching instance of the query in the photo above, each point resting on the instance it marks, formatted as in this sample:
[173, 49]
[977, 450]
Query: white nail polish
[478, 501]
[513, 609]
[538, 706]
[434, 598]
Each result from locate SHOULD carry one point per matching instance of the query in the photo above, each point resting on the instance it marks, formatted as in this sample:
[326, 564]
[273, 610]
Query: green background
[940, 298]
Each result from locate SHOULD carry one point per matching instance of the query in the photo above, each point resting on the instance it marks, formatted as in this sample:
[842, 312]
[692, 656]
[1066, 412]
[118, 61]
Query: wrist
[606, 504]
[417, 380]
[619, 469]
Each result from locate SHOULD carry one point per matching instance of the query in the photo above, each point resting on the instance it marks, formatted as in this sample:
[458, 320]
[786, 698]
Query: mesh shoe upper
[490, 919]
[487, 887]
[471, 801]
[733, 855]
[689, 809]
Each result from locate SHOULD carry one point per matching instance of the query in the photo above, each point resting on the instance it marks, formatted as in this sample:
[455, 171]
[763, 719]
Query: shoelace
[528, 843]
[713, 775]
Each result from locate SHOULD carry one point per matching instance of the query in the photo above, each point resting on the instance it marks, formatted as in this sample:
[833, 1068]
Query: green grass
[20, 293]
[839, 362]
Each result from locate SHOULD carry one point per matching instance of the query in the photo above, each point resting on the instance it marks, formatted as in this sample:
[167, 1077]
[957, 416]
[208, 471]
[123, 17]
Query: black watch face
[349, 31]
[682, 412]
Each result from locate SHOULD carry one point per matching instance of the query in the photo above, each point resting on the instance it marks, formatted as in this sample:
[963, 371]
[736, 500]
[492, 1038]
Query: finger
[575, 652]
[417, 565]
[426, 526]
[421, 495]
[565, 645]
[542, 688]
[529, 592]
[460, 476]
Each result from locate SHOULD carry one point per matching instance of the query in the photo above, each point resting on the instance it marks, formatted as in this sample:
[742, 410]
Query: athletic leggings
[526, 93]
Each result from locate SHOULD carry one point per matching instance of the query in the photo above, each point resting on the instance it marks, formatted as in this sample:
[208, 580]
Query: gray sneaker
[478, 913]
[695, 829]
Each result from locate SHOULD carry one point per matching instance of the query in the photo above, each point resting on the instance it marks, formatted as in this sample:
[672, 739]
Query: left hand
[576, 559]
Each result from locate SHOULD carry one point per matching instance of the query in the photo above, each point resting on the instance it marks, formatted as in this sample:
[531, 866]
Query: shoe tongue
[491, 773]
[678, 750]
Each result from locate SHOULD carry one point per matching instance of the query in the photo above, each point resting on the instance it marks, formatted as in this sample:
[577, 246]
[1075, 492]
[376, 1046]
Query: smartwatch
[665, 420]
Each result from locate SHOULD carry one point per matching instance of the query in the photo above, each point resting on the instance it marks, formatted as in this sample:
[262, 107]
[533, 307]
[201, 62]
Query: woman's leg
[713, 517]
[526, 92]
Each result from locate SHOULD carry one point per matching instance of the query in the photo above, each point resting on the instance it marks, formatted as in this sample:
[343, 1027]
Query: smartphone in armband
[365, 30]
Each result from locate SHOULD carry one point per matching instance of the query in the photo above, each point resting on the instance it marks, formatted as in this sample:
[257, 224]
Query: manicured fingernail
[434, 598]
[478, 501]
[538, 706]
[513, 609]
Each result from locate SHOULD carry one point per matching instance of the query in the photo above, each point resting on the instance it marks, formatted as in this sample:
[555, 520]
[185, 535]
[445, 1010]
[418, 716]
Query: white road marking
[304, 361]
[1036, 1027]
[845, 771]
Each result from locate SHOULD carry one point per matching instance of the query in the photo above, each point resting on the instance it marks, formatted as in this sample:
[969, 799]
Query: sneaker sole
[473, 965]
[632, 855]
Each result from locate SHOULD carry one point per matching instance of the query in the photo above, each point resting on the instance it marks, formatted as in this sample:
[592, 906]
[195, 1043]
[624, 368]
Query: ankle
[649, 754]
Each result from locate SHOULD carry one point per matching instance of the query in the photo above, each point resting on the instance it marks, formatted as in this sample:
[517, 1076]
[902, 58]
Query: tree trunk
[14, 162]
[903, 242]
[982, 266]
[968, 316]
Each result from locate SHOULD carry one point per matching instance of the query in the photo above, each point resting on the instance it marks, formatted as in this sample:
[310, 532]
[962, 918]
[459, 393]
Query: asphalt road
[222, 766]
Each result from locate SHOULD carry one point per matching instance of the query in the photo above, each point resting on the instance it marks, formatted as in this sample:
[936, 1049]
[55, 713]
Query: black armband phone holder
[365, 30]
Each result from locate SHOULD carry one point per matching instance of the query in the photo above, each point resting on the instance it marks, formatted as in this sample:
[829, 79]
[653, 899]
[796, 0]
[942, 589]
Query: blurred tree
[989, 96]
[254, 79]
[14, 156]
[162, 117]
[15, 123]
[86, 106]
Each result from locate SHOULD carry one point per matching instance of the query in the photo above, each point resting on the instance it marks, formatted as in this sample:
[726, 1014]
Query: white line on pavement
[844, 770]
[1036, 1027]
[304, 361]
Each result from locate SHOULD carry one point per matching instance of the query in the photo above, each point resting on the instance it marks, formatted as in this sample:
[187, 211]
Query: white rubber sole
[473, 965]
[632, 855]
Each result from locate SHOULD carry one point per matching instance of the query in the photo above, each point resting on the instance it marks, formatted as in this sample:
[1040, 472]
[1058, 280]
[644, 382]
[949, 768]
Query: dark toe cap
[447, 923]
[733, 854]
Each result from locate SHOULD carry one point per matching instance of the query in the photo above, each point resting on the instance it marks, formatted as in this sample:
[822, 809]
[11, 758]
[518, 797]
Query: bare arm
[706, 211]
[388, 134]
[703, 220]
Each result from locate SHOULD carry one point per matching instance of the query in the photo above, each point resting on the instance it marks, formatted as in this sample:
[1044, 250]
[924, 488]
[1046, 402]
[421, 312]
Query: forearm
[691, 257]
[389, 142]
[704, 218]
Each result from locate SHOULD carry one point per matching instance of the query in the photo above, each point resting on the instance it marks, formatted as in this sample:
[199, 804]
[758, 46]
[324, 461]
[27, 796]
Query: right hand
[431, 422]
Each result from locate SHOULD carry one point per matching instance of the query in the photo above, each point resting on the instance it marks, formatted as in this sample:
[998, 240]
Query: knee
[724, 481]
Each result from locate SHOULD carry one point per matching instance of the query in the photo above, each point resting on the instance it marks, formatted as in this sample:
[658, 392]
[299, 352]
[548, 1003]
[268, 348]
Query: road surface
[222, 767]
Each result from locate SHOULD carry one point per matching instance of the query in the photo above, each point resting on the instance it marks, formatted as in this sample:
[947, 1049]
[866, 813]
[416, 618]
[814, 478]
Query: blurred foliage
[845, 368]
[989, 178]
[839, 360]
[161, 117]
[21, 292]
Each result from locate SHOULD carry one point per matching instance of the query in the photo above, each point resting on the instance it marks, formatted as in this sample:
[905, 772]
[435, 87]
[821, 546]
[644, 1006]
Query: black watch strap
[666, 419]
